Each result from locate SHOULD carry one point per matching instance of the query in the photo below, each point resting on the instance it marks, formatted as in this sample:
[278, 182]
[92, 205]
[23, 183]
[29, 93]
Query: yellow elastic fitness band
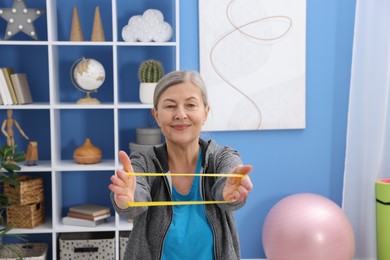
[177, 203]
[188, 174]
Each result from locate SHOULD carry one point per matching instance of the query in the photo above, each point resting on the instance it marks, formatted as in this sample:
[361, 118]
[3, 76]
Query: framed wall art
[253, 61]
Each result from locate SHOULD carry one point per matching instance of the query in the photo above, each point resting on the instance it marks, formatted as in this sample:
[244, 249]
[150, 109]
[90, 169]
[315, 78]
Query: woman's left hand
[237, 188]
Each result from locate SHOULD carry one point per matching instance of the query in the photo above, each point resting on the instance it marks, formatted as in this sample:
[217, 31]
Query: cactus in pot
[149, 73]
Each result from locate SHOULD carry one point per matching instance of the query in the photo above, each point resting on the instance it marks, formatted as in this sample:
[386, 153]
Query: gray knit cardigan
[151, 224]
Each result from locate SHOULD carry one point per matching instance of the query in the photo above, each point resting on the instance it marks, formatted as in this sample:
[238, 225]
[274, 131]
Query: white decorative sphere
[88, 74]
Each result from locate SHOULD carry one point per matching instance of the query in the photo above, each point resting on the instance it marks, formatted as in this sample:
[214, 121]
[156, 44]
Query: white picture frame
[253, 61]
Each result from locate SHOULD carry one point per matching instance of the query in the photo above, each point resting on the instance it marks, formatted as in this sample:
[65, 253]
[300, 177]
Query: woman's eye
[170, 106]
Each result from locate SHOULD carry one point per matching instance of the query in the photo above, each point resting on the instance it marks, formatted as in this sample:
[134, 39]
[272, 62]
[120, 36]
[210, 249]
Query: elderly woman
[181, 231]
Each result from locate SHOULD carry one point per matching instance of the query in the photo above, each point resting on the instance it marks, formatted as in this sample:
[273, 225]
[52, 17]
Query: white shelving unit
[56, 107]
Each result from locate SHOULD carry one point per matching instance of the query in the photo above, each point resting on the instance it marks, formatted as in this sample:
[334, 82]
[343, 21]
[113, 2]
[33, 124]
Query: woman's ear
[206, 111]
[155, 115]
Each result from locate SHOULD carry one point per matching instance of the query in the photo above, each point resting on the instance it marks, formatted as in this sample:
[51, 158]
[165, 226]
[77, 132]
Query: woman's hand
[237, 188]
[123, 185]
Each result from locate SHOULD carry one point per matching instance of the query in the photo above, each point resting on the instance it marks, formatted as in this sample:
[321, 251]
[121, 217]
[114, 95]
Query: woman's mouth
[180, 127]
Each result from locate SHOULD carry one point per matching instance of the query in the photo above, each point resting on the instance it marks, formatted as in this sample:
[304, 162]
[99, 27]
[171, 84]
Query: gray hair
[177, 77]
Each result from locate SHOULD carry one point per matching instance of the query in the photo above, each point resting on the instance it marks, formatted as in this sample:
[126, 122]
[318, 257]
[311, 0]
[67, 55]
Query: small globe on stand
[87, 76]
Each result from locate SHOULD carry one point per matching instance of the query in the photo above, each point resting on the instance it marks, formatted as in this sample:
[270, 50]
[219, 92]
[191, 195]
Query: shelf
[35, 105]
[13, 43]
[90, 43]
[68, 165]
[84, 43]
[124, 224]
[42, 166]
[77, 106]
[129, 105]
[60, 125]
[145, 44]
[46, 227]
[107, 226]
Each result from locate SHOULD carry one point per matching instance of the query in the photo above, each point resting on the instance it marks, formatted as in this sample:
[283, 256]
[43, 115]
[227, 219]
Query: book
[22, 88]
[88, 217]
[81, 222]
[2, 95]
[90, 209]
[4, 91]
[7, 75]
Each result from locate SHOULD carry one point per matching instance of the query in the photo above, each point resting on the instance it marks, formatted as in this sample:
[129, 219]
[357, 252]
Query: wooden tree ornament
[32, 153]
[76, 33]
[97, 29]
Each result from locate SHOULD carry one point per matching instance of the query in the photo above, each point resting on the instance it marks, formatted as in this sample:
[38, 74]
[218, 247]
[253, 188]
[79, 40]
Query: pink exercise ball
[307, 226]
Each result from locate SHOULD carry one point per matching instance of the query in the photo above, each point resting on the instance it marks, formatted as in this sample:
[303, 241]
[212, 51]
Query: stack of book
[14, 88]
[86, 215]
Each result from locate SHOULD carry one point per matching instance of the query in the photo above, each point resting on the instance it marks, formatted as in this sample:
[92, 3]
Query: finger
[242, 169]
[120, 201]
[239, 169]
[118, 190]
[122, 198]
[230, 197]
[117, 180]
[242, 191]
[247, 183]
[126, 162]
[122, 175]
[113, 188]
[233, 180]
[117, 183]
[235, 196]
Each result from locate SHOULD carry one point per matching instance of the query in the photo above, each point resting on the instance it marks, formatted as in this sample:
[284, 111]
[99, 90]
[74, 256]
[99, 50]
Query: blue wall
[293, 161]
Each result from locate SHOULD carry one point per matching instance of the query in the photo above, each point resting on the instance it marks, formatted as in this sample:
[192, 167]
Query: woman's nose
[180, 113]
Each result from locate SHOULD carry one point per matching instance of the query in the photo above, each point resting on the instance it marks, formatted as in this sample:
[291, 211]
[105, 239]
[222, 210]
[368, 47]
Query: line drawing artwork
[252, 59]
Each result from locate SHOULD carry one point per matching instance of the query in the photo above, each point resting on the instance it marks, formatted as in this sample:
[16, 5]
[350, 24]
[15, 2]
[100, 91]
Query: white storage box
[123, 239]
[87, 245]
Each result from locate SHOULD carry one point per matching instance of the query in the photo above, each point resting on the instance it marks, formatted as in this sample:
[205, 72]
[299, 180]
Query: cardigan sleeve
[224, 160]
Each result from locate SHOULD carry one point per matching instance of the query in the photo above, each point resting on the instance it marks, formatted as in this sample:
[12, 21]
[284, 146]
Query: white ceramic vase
[146, 91]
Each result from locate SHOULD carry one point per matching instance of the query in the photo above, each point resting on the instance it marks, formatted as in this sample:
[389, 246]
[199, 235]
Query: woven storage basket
[26, 216]
[31, 251]
[29, 191]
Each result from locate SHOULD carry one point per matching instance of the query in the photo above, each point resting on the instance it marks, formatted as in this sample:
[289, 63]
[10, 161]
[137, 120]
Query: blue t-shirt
[190, 235]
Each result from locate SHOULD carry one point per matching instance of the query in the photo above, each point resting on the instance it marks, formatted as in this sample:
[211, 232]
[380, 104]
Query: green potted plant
[8, 175]
[149, 73]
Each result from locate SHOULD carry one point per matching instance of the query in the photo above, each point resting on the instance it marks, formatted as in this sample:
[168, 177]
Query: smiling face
[181, 113]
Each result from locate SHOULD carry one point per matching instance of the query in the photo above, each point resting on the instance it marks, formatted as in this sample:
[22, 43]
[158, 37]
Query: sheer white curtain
[368, 134]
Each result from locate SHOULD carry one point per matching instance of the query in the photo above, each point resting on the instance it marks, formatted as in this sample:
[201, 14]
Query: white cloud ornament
[147, 27]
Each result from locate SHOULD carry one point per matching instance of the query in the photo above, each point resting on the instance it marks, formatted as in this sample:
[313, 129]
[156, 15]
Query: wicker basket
[26, 216]
[31, 251]
[28, 192]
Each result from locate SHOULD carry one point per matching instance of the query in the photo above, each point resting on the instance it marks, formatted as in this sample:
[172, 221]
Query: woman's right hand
[122, 184]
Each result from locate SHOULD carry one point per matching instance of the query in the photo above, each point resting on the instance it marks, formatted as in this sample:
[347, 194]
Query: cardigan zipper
[170, 220]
